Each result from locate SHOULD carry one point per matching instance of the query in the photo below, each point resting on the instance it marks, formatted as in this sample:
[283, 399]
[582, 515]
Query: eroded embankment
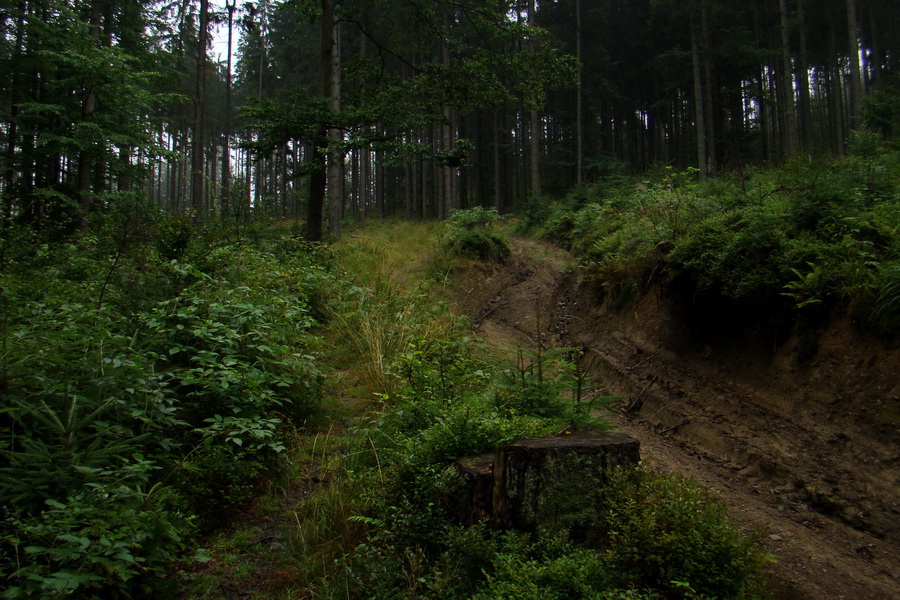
[808, 452]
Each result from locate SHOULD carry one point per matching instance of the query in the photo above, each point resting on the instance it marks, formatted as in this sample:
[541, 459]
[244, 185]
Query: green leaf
[63, 580]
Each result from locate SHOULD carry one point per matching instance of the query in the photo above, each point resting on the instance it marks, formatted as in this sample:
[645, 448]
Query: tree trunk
[335, 136]
[699, 113]
[86, 156]
[534, 126]
[708, 105]
[579, 116]
[318, 175]
[787, 84]
[856, 89]
[803, 113]
[835, 93]
[10, 168]
[197, 142]
[498, 203]
[226, 146]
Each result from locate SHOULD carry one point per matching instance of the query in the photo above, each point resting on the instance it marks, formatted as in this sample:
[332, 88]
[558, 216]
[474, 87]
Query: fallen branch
[673, 428]
[635, 405]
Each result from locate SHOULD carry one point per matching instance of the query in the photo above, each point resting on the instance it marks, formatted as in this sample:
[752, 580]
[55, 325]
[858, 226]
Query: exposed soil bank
[808, 452]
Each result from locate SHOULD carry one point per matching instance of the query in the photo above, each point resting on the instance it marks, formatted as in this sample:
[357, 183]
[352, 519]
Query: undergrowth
[385, 524]
[156, 376]
[151, 373]
[789, 244]
[472, 234]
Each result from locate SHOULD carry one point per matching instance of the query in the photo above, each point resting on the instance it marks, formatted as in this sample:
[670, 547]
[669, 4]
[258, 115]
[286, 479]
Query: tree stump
[555, 484]
[473, 500]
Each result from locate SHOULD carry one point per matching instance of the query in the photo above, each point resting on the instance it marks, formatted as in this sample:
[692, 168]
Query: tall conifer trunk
[197, 141]
[708, 105]
[318, 179]
[699, 112]
[12, 133]
[803, 110]
[86, 156]
[787, 83]
[335, 183]
[856, 89]
[534, 125]
[579, 116]
[226, 146]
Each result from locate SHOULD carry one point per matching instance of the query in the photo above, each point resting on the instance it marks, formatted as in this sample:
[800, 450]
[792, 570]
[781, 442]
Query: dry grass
[330, 519]
[389, 308]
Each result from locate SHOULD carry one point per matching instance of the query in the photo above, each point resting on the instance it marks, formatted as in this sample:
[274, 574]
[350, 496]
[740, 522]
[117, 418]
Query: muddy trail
[804, 451]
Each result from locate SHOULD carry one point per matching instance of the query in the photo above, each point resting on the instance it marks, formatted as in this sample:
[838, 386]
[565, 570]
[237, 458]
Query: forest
[234, 239]
[336, 111]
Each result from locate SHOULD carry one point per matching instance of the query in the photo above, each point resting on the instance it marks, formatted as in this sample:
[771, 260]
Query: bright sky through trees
[219, 32]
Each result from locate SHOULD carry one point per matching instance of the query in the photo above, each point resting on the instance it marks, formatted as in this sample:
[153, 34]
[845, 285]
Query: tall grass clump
[386, 306]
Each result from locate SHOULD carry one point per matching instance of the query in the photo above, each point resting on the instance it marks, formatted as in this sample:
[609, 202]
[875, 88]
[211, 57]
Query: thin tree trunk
[803, 112]
[534, 125]
[446, 137]
[708, 79]
[498, 203]
[318, 176]
[699, 113]
[366, 180]
[12, 131]
[226, 147]
[86, 158]
[199, 116]
[856, 89]
[579, 109]
[787, 84]
[379, 183]
[875, 42]
[835, 94]
[336, 154]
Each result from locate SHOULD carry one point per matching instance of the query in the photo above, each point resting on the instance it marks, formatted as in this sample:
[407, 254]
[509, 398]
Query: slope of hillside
[805, 452]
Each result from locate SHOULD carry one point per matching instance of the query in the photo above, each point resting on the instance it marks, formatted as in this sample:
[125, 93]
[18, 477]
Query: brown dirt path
[808, 453]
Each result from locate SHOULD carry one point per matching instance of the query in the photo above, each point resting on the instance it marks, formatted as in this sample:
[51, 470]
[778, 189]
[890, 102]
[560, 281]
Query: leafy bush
[742, 256]
[671, 535]
[105, 537]
[470, 233]
[819, 233]
[878, 305]
[143, 381]
[546, 568]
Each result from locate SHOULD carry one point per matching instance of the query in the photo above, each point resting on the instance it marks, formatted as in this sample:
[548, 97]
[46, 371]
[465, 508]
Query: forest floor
[804, 452]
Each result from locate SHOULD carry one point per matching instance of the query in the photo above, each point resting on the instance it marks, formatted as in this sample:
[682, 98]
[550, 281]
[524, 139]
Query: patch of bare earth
[806, 452]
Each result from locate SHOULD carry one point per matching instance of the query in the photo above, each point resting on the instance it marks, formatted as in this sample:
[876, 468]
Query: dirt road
[805, 451]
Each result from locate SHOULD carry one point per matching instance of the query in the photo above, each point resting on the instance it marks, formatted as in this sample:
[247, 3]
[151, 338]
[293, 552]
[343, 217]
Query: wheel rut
[780, 442]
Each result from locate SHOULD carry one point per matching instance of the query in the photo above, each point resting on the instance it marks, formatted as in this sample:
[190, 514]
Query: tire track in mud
[824, 493]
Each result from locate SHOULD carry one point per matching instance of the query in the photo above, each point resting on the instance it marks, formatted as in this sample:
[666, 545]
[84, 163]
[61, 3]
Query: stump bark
[473, 502]
[555, 484]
